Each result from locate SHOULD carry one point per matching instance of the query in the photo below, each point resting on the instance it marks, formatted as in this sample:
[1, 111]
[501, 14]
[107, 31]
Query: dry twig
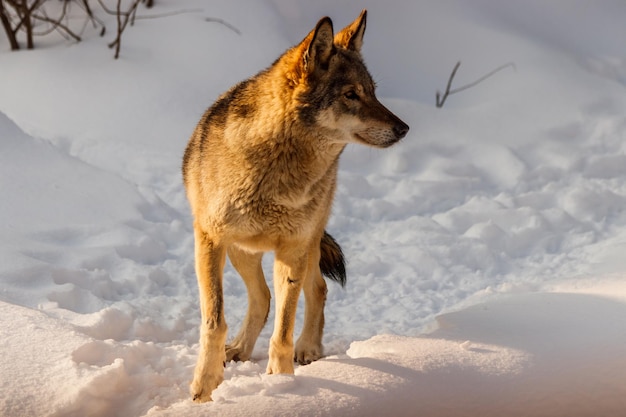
[225, 23]
[440, 100]
[123, 17]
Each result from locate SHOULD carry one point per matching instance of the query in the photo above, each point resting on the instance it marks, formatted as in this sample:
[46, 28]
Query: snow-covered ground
[486, 250]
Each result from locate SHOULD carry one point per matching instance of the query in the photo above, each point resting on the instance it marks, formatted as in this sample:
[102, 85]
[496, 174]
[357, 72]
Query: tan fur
[260, 173]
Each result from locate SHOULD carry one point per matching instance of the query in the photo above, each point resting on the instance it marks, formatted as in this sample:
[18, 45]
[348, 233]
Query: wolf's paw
[236, 353]
[201, 390]
[305, 353]
[280, 365]
[207, 376]
[200, 396]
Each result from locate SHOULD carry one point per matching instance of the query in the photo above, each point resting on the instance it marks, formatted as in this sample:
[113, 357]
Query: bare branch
[55, 23]
[123, 17]
[225, 23]
[31, 18]
[483, 78]
[6, 24]
[84, 4]
[441, 100]
[168, 14]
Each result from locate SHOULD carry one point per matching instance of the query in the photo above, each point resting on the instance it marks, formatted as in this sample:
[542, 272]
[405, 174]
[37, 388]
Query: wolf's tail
[332, 262]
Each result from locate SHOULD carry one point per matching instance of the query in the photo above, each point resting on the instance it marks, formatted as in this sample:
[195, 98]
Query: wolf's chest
[281, 201]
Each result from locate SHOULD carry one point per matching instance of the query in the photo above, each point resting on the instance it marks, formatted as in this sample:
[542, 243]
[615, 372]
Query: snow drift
[485, 250]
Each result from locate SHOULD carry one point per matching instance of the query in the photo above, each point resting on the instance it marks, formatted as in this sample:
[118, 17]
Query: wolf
[260, 173]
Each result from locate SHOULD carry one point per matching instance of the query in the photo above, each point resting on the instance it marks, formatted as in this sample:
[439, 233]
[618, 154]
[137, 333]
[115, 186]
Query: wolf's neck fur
[287, 154]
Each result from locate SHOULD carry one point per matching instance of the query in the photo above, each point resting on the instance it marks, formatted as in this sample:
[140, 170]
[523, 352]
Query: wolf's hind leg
[249, 267]
[209, 371]
[309, 344]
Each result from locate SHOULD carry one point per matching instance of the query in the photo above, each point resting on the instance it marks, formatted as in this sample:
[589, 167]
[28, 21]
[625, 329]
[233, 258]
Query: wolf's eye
[351, 95]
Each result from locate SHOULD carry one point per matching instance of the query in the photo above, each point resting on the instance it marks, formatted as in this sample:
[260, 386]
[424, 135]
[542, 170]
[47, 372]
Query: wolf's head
[336, 93]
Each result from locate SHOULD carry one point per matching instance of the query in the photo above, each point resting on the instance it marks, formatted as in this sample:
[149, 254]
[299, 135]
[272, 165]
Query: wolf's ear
[351, 37]
[320, 46]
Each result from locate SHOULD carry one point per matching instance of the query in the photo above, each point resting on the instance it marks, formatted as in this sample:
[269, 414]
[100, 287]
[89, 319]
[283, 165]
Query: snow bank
[38, 376]
[505, 206]
[521, 355]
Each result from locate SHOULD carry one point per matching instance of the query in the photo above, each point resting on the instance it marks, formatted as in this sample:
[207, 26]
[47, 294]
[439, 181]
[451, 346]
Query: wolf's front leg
[209, 371]
[289, 272]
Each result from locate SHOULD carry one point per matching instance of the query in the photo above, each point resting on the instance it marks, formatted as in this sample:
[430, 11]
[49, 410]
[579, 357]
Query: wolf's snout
[400, 130]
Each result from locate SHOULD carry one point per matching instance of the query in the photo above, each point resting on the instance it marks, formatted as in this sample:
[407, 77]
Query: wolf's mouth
[383, 142]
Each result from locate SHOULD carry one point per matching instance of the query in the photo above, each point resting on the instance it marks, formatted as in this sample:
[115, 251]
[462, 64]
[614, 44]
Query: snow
[485, 250]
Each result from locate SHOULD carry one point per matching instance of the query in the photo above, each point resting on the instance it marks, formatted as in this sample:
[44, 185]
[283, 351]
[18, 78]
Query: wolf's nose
[400, 130]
